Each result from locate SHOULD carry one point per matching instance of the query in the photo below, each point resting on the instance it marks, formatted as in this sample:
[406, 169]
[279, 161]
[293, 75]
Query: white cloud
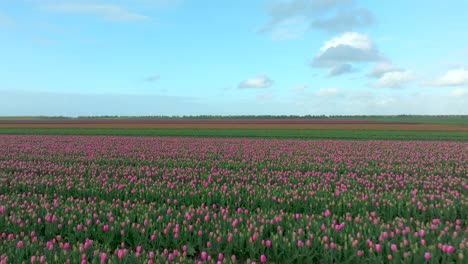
[395, 79]
[390, 76]
[381, 102]
[106, 11]
[341, 69]
[261, 81]
[345, 20]
[324, 92]
[459, 92]
[290, 28]
[382, 68]
[351, 39]
[342, 51]
[455, 77]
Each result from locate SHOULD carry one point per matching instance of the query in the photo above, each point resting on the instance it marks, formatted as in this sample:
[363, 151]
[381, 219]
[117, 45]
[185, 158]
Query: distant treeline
[263, 117]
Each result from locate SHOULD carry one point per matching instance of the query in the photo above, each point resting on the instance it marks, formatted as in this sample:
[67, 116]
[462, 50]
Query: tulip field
[117, 199]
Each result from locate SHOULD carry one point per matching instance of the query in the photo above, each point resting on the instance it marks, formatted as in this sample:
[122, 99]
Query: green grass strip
[250, 133]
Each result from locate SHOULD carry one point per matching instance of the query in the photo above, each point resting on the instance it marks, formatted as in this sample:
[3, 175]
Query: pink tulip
[422, 232]
[427, 256]
[378, 247]
[450, 249]
[103, 257]
[120, 253]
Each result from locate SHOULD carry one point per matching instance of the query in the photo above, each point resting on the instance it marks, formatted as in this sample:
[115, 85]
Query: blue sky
[182, 57]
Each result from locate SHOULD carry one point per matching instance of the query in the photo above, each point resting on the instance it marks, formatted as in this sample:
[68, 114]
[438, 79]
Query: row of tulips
[73, 199]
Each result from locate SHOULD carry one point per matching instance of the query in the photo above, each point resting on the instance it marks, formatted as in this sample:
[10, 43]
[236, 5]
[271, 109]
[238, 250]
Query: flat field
[424, 119]
[107, 199]
[251, 133]
[299, 124]
[269, 128]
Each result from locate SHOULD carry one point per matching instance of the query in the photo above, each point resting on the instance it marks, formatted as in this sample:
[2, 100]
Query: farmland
[233, 132]
[423, 119]
[291, 124]
[453, 129]
[250, 133]
[108, 199]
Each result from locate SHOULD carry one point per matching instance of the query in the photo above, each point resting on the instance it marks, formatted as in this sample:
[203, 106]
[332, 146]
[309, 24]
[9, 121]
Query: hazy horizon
[273, 57]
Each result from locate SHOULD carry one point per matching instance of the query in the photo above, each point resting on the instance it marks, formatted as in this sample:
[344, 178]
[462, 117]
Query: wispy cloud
[394, 79]
[18, 102]
[459, 92]
[326, 92]
[265, 97]
[327, 15]
[153, 78]
[344, 20]
[456, 77]
[110, 12]
[341, 69]
[300, 88]
[382, 68]
[159, 3]
[261, 81]
[290, 28]
[6, 21]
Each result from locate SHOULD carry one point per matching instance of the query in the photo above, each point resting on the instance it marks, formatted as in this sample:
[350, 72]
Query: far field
[426, 119]
[249, 133]
[305, 128]
[329, 128]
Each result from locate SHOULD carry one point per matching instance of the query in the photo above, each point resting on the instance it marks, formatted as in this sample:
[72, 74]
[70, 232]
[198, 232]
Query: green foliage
[427, 119]
[250, 133]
